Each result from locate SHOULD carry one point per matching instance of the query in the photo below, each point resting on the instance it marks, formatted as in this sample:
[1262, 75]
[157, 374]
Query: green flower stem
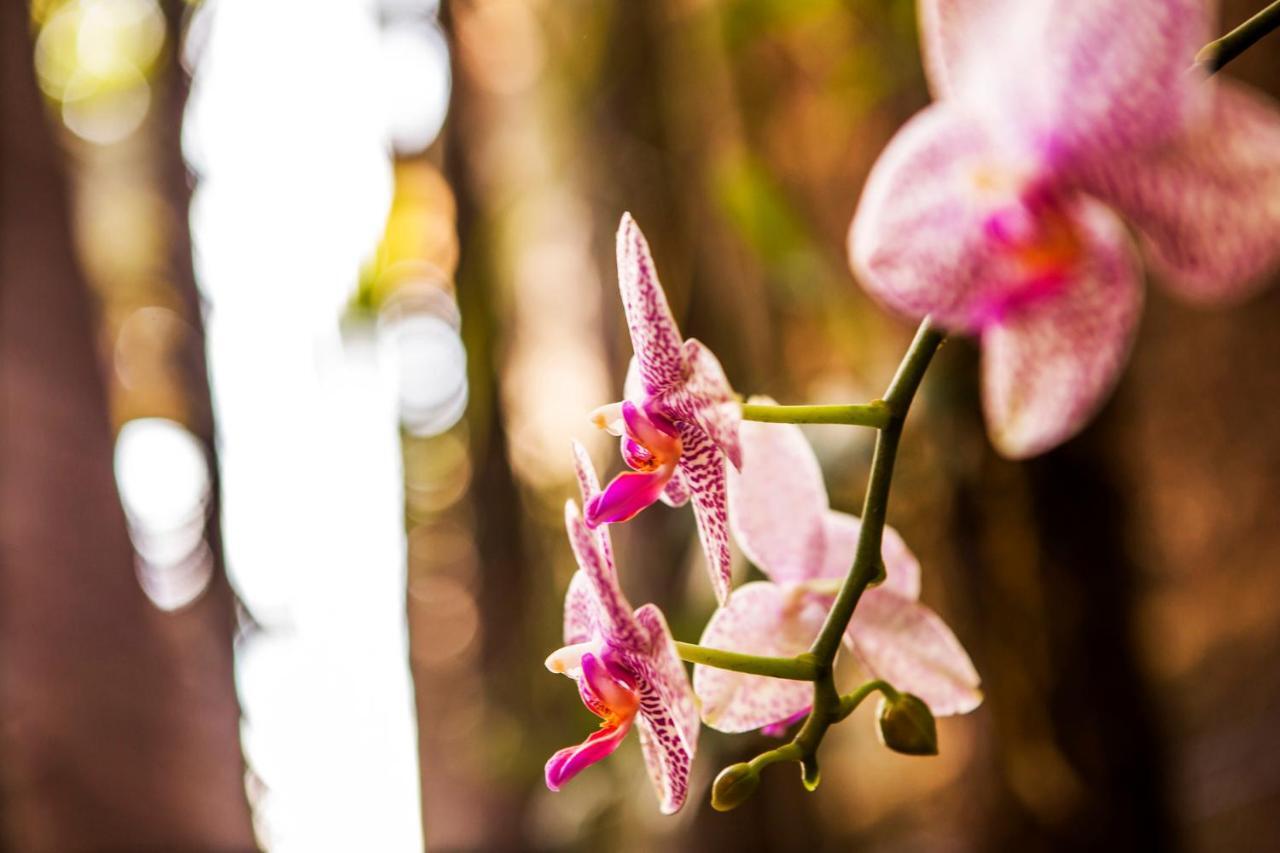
[853, 700]
[801, 668]
[866, 560]
[874, 414]
[1216, 54]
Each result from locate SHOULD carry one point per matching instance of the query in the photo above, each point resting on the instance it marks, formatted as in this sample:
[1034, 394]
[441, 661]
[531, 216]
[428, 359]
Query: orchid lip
[628, 494]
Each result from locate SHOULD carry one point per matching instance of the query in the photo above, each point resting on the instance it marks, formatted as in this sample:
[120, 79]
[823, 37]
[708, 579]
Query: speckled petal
[668, 718]
[708, 400]
[702, 466]
[580, 609]
[778, 502]
[676, 492]
[908, 645]
[919, 241]
[902, 569]
[1086, 78]
[617, 624]
[589, 486]
[761, 618]
[654, 335]
[1048, 368]
[1208, 206]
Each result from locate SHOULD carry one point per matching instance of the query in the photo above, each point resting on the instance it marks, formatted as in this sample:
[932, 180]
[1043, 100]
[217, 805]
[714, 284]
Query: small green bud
[734, 786]
[809, 774]
[906, 725]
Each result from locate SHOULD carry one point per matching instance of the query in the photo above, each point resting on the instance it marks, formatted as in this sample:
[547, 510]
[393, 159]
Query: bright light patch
[415, 85]
[163, 478]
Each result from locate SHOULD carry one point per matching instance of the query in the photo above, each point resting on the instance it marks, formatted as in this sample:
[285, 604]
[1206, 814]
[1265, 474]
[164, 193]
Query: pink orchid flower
[998, 209]
[679, 421]
[781, 518]
[625, 664]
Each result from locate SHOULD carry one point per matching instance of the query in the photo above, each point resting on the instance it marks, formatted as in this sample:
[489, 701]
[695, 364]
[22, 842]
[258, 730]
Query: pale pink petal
[617, 624]
[1085, 78]
[778, 502]
[909, 646]
[702, 466]
[1207, 206]
[668, 718]
[580, 610]
[1047, 368]
[902, 569]
[761, 618]
[654, 334]
[707, 399]
[919, 241]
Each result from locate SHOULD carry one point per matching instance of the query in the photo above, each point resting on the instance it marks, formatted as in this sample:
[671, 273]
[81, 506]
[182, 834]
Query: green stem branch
[800, 668]
[1217, 54]
[874, 414]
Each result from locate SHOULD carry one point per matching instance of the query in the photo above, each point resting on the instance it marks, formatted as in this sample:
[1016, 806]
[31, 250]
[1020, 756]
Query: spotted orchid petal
[902, 569]
[668, 720]
[920, 241]
[908, 645]
[1208, 205]
[702, 468]
[1047, 369]
[614, 617]
[778, 501]
[1084, 78]
[707, 399]
[654, 335]
[761, 618]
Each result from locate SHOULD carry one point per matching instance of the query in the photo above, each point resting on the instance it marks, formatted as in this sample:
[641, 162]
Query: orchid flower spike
[997, 210]
[780, 515]
[679, 421]
[625, 664]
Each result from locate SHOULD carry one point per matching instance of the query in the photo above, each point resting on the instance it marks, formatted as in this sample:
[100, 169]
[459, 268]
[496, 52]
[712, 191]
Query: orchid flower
[625, 664]
[781, 518]
[679, 421]
[997, 210]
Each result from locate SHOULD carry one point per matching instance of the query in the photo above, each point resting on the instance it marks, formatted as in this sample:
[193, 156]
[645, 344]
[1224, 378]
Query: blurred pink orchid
[781, 518]
[995, 209]
[679, 421]
[625, 664]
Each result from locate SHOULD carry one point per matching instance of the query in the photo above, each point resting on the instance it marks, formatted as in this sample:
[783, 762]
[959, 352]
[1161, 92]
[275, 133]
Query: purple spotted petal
[1208, 206]
[707, 399]
[617, 624]
[580, 610]
[589, 486]
[668, 718]
[1086, 78]
[909, 646]
[571, 761]
[920, 241]
[702, 466]
[761, 618]
[778, 503]
[902, 569]
[654, 334]
[1047, 369]
[676, 492]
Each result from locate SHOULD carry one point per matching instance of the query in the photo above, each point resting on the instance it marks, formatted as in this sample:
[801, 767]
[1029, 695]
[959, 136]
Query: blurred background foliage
[1119, 596]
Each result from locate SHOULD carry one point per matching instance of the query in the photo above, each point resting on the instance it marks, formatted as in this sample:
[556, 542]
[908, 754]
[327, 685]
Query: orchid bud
[906, 725]
[734, 786]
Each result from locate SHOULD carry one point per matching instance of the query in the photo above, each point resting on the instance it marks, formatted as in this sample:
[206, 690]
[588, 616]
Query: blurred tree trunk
[120, 720]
